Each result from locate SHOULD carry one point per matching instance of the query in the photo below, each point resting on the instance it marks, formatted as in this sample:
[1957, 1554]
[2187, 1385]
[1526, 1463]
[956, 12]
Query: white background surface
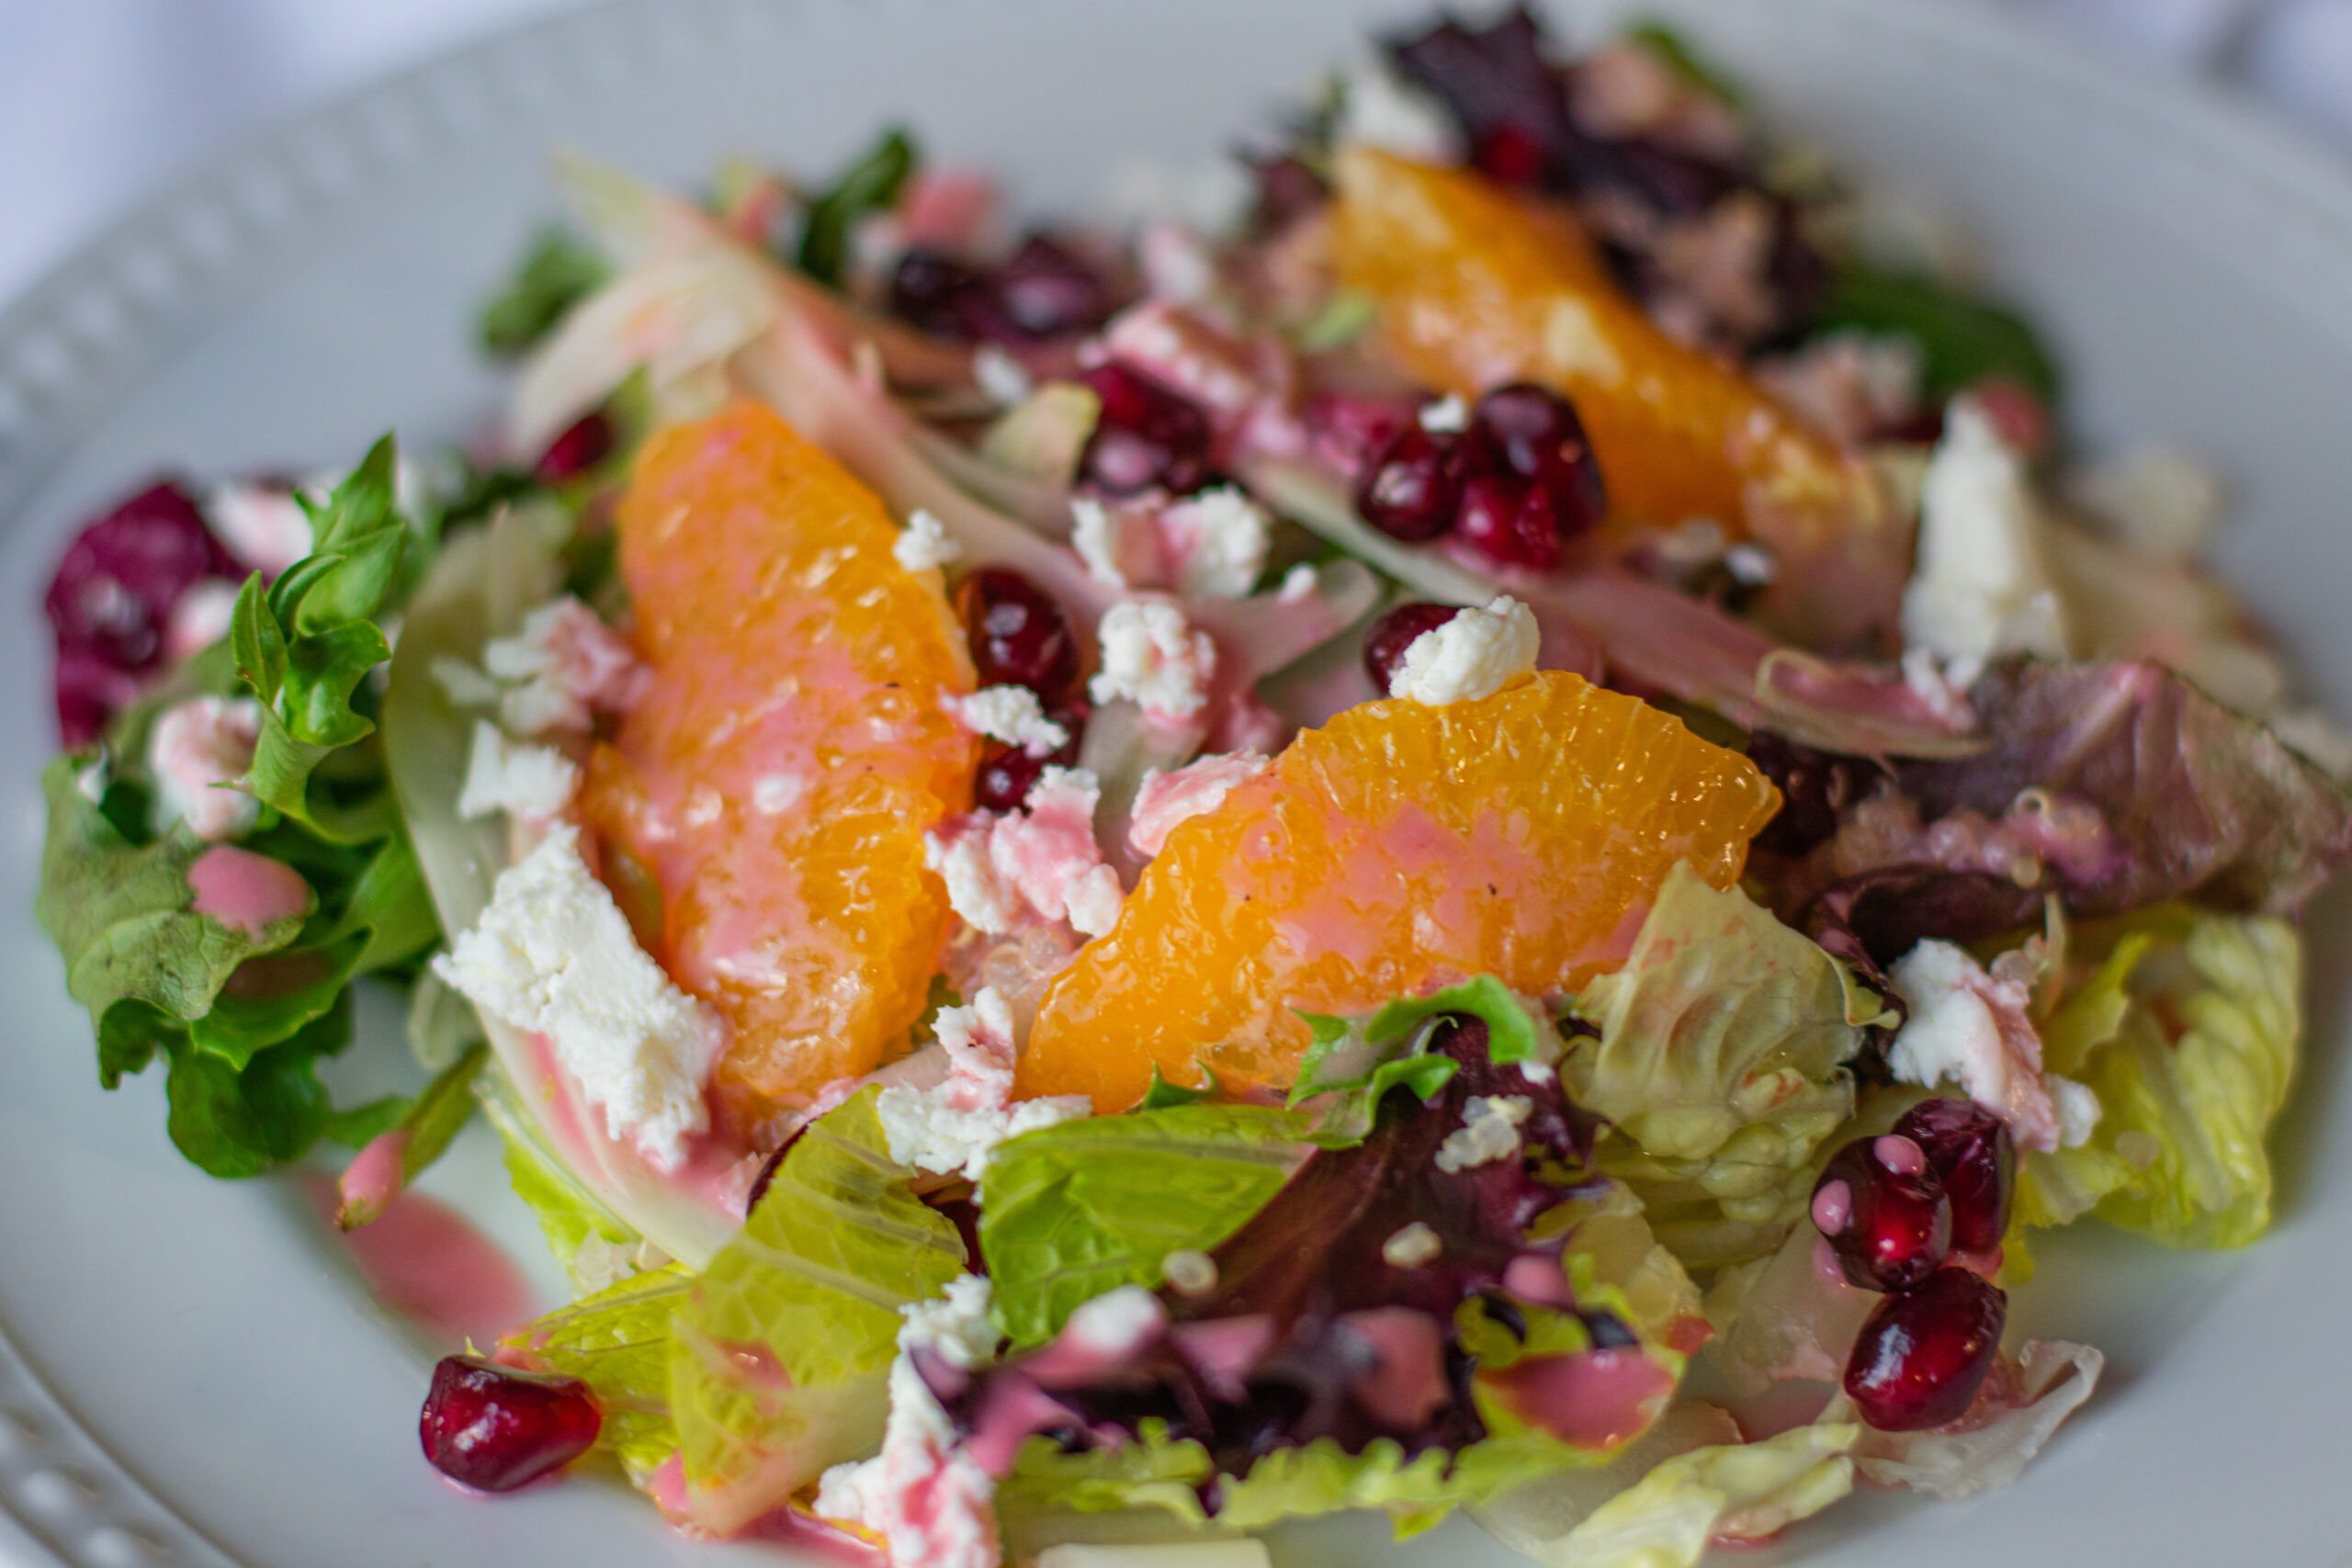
[101, 101]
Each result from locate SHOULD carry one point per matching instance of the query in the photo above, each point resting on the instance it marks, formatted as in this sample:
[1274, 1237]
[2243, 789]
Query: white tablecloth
[101, 101]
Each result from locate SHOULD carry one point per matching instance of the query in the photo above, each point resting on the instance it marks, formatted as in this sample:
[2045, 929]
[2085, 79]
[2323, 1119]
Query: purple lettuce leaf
[2111, 785]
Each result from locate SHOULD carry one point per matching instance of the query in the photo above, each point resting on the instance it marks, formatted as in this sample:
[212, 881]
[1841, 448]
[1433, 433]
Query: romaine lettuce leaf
[616, 1341]
[1737, 1492]
[558, 272]
[2021, 1403]
[1354, 1062]
[1720, 1059]
[1072, 1212]
[781, 1354]
[570, 1215]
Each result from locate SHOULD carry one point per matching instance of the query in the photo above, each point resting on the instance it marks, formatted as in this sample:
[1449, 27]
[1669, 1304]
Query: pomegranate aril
[1412, 489]
[90, 692]
[1509, 522]
[1922, 1355]
[1007, 773]
[1883, 1212]
[1384, 645]
[1044, 291]
[586, 443]
[1510, 154]
[1977, 1161]
[1534, 433]
[1147, 436]
[928, 288]
[1019, 636]
[495, 1428]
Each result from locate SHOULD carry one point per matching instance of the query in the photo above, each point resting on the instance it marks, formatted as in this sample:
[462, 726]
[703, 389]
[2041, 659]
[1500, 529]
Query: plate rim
[90, 328]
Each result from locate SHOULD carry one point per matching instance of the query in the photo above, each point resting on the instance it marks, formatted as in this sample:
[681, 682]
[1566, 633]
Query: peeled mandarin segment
[774, 783]
[1399, 848]
[1476, 289]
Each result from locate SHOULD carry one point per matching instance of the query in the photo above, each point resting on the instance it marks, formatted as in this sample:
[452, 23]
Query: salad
[1483, 817]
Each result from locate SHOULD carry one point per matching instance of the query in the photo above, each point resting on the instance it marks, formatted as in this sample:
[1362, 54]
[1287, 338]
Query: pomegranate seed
[1510, 154]
[1922, 1355]
[1007, 773]
[1384, 645]
[1019, 636]
[1352, 430]
[1044, 291]
[928, 288]
[495, 1428]
[587, 443]
[1883, 1212]
[1534, 433]
[118, 580]
[1509, 522]
[1412, 489]
[1977, 1160]
[90, 692]
[1147, 436]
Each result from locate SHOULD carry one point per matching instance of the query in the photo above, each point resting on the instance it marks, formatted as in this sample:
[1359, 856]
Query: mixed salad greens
[1414, 844]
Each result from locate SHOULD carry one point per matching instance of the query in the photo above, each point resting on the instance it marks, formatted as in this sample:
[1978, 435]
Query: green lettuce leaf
[1070, 1211]
[558, 272]
[781, 1355]
[570, 1214]
[616, 1341]
[1721, 1062]
[1740, 1492]
[1352, 1063]
[1962, 340]
[869, 185]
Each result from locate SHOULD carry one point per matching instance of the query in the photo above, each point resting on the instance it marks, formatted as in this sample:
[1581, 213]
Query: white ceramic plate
[189, 1371]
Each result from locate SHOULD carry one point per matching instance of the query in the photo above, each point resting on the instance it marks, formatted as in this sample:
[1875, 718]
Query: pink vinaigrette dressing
[249, 892]
[426, 1261]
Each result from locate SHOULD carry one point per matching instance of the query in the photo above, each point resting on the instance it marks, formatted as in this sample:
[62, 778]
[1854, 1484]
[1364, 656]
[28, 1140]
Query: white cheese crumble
[197, 750]
[200, 618]
[982, 897]
[1982, 587]
[1299, 583]
[953, 1126]
[463, 683]
[264, 525]
[1189, 1272]
[2078, 1109]
[1044, 857]
[1973, 1029]
[1163, 801]
[1219, 539]
[923, 1494]
[1474, 655]
[553, 954]
[1116, 1323]
[1152, 656]
[1379, 108]
[999, 376]
[1489, 1132]
[923, 543]
[561, 668]
[1010, 714]
[1448, 415]
[1094, 536]
[774, 794]
[1411, 1246]
[523, 781]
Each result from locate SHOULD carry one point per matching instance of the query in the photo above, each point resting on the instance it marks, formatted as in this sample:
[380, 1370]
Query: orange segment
[777, 778]
[1475, 288]
[1397, 849]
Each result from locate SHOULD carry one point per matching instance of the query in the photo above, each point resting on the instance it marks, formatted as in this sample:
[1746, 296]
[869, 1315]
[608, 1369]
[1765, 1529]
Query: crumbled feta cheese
[530, 782]
[923, 543]
[464, 684]
[955, 1326]
[1448, 415]
[197, 750]
[1152, 656]
[1474, 655]
[1163, 800]
[1411, 1246]
[999, 376]
[1982, 587]
[982, 896]
[199, 617]
[553, 954]
[953, 1125]
[1189, 1272]
[1749, 563]
[1974, 1029]
[1010, 714]
[1944, 688]
[772, 793]
[561, 667]
[1298, 583]
[1379, 108]
[2159, 501]
[1117, 1324]
[2078, 1109]
[1489, 1132]
[262, 526]
[1177, 267]
[1094, 534]
[1218, 540]
[933, 1506]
